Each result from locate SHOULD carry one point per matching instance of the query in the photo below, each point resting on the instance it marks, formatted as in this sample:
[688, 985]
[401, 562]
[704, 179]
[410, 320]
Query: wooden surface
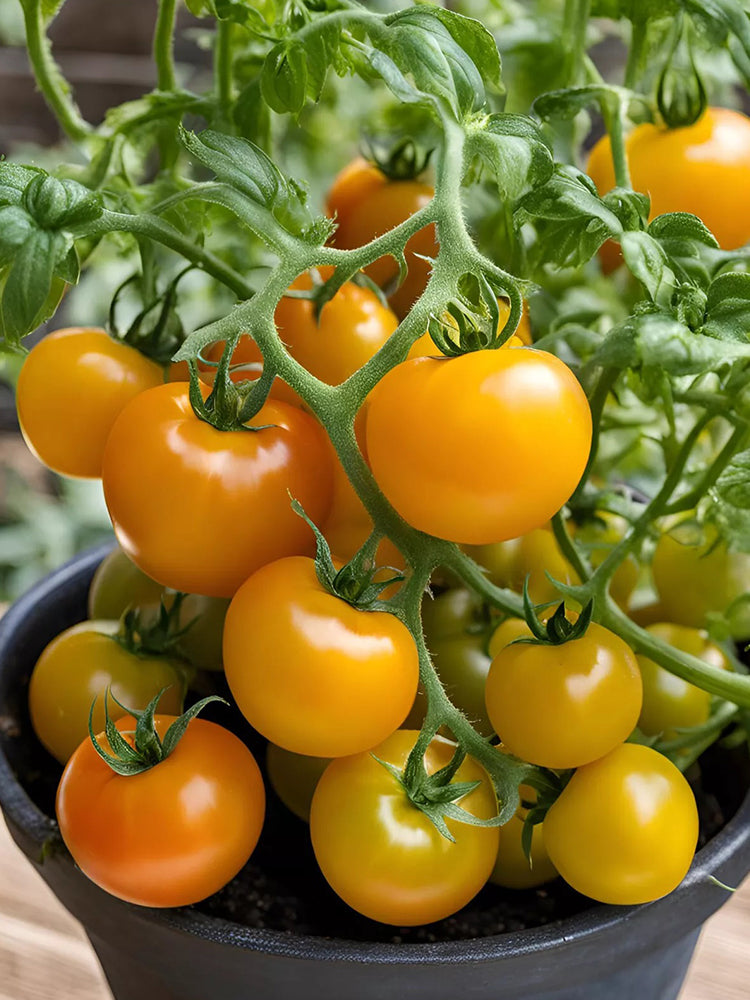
[44, 954]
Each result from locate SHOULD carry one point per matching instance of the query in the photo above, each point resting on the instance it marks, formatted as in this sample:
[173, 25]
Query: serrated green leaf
[514, 150]
[28, 283]
[731, 502]
[728, 308]
[566, 104]
[284, 80]
[630, 207]
[15, 228]
[647, 262]
[681, 228]
[729, 15]
[14, 180]
[665, 343]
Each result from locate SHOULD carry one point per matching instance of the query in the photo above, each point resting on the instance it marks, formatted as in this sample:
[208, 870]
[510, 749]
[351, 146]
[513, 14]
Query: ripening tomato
[294, 778]
[309, 671]
[563, 706]
[365, 207]
[697, 576]
[172, 835]
[509, 435]
[118, 584]
[625, 828]
[73, 385]
[506, 633]
[669, 702]
[529, 558]
[200, 509]
[78, 666]
[513, 870]
[702, 168]
[382, 855]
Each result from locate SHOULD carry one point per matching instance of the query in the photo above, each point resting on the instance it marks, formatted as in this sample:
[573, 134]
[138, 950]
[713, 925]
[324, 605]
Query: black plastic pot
[604, 953]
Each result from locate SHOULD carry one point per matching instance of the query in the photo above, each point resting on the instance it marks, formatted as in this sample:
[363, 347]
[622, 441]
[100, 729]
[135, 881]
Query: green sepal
[399, 161]
[157, 638]
[149, 750]
[558, 629]
[355, 582]
[157, 330]
[230, 406]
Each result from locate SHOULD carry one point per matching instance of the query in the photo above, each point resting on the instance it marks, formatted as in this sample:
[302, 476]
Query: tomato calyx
[470, 321]
[558, 628]
[400, 161]
[681, 94]
[230, 406]
[157, 330]
[148, 748]
[437, 795]
[354, 582]
[160, 637]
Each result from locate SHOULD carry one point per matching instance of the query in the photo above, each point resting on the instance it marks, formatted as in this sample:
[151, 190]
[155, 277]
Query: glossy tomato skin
[312, 673]
[702, 169]
[625, 828]
[669, 702]
[509, 435]
[73, 385]
[366, 206]
[77, 667]
[565, 706]
[382, 855]
[529, 558]
[169, 476]
[294, 778]
[172, 835]
[697, 576]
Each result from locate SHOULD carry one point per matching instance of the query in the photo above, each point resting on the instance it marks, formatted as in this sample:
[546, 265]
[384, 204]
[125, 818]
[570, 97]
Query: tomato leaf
[14, 180]
[730, 509]
[571, 219]
[15, 228]
[514, 149]
[728, 308]
[246, 168]
[647, 262]
[29, 282]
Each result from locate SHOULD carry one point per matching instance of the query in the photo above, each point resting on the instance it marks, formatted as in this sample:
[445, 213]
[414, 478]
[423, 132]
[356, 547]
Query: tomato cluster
[217, 571]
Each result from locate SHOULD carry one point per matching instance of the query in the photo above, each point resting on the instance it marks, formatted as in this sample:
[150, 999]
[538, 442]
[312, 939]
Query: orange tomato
[199, 509]
[73, 385]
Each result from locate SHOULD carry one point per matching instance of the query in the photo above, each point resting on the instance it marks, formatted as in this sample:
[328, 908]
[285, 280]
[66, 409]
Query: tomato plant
[386, 858]
[194, 817]
[355, 379]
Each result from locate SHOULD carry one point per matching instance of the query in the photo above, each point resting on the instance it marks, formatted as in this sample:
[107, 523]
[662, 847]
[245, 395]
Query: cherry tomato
[172, 835]
[486, 476]
[506, 633]
[625, 828]
[312, 673]
[200, 509]
[513, 870]
[365, 207]
[700, 169]
[455, 612]
[77, 667]
[564, 706]
[294, 778]
[72, 387]
[382, 855]
[669, 702]
[697, 576]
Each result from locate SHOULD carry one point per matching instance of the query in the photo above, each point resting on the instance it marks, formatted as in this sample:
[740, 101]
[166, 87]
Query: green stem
[48, 76]
[687, 501]
[636, 54]
[575, 24]
[223, 67]
[614, 118]
[163, 46]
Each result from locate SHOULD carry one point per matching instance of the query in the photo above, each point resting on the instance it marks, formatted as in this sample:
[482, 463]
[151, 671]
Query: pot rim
[22, 812]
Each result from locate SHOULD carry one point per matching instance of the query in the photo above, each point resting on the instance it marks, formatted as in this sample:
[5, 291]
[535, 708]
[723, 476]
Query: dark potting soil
[282, 889]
